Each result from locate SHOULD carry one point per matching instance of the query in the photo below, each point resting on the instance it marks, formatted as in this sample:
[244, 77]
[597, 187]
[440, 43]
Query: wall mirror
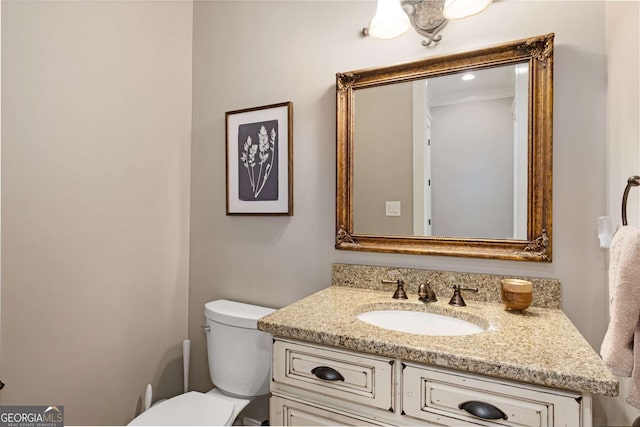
[449, 155]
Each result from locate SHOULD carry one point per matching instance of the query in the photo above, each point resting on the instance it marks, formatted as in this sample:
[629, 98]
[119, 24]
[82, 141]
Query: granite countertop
[540, 346]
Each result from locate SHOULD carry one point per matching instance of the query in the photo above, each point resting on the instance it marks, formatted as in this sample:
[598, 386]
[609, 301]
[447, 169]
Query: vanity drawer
[427, 391]
[340, 374]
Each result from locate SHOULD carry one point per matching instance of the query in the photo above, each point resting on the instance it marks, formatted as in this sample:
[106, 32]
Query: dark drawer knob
[482, 410]
[326, 373]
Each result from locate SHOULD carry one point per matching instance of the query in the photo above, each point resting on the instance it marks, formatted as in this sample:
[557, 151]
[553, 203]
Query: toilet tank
[239, 354]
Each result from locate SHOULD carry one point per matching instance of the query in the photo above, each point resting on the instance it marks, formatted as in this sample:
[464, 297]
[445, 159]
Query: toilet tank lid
[235, 313]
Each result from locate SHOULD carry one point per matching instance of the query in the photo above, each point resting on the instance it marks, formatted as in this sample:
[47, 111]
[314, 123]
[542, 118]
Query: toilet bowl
[189, 409]
[239, 365]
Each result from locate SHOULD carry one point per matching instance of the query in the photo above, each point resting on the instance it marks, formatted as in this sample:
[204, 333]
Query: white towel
[617, 348]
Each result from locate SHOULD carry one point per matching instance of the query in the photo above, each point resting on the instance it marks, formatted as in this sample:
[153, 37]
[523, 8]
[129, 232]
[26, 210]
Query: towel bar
[633, 181]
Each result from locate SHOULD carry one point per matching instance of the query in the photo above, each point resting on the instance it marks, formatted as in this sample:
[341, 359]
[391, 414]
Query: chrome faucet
[400, 292]
[457, 299]
[425, 293]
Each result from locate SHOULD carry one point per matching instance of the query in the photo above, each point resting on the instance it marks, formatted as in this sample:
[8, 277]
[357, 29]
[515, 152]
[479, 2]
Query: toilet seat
[189, 409]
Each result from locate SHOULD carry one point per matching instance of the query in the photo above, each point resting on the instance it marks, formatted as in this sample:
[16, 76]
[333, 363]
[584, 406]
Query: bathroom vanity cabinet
[524, 369]
[320, 385]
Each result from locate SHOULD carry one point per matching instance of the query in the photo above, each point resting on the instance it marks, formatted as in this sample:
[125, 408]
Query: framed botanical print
[259, 151]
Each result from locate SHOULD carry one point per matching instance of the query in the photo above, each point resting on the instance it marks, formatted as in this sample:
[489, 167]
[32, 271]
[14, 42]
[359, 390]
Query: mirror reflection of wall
[451, 152]
[472, 144]
[383, 152]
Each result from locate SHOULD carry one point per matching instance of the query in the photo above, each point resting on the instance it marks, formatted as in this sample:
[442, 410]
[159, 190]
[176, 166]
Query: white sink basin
[418, 322]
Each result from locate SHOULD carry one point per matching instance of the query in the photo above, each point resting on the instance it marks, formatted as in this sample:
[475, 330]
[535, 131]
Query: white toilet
[239, 366]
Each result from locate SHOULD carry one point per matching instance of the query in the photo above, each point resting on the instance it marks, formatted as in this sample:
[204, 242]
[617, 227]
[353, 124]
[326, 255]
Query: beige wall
[623, 106]
[95, 170]
[623, 139]
[283, 51]
[96, 120]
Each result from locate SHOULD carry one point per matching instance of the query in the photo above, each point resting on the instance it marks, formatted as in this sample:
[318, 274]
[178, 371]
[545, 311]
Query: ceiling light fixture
[459, 9]
[428, 17]
[389, 22]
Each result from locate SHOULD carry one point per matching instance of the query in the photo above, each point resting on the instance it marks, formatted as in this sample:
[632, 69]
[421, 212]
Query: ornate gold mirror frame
[538, 53]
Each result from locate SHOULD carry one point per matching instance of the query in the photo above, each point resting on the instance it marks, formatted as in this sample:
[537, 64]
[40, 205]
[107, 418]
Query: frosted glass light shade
[458, 9]
[390, 20]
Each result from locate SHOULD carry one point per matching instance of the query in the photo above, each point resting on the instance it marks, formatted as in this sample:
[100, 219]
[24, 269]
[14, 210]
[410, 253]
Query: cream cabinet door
[287, 412]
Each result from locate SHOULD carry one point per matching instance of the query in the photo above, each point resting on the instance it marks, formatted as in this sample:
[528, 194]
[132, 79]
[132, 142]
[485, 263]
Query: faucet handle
[400, 292]
[456, 299]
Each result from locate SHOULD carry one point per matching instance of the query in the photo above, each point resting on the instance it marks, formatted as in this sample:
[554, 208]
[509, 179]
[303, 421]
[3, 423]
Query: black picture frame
[259, 160]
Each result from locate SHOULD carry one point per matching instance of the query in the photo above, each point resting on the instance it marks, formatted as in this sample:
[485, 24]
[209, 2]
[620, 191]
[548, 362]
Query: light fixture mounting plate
[426, 17]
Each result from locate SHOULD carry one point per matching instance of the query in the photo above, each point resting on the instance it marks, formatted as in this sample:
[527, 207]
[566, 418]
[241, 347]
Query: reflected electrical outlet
[393, 208]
